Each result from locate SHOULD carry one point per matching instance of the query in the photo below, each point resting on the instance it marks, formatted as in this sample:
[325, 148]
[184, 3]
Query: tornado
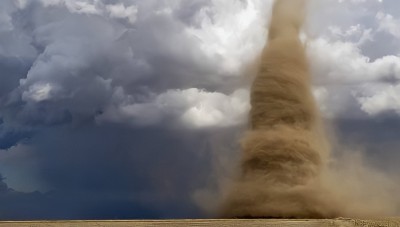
[285, 149]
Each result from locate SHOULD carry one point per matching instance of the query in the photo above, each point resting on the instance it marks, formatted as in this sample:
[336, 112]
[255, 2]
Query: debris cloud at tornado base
[287, 170]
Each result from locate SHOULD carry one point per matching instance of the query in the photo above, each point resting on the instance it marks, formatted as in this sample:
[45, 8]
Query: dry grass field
[216, 222]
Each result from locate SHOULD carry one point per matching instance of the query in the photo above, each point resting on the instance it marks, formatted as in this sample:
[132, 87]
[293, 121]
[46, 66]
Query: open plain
[389, 222]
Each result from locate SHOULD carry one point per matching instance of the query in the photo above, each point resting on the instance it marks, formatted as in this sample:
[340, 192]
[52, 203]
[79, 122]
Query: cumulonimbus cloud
[91, 67]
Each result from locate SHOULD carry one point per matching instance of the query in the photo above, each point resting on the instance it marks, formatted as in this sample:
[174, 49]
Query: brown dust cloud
[287, 170]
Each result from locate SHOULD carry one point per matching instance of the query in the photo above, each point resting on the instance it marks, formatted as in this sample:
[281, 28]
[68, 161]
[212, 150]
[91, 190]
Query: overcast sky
[133, 108]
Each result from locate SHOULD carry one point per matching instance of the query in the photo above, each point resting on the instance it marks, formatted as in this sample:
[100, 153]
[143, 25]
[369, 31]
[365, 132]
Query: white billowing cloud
[38, 92]
[75, 6]
[380, 99]
[236, 32]
[342, 62]
[349, 67]
[86, 53]
[120, 11]
[209, 109]
[388, 24]
[343, 74]
[146, 52]
[193, 108]
[95, 7]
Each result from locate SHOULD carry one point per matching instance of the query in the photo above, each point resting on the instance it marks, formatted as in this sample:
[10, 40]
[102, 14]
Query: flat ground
[392, 222]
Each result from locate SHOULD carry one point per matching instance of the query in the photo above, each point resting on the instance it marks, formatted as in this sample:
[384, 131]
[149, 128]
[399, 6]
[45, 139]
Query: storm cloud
[124, 105]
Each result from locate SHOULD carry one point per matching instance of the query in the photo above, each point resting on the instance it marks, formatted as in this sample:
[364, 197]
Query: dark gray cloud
[58, 205]
[115, 172]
